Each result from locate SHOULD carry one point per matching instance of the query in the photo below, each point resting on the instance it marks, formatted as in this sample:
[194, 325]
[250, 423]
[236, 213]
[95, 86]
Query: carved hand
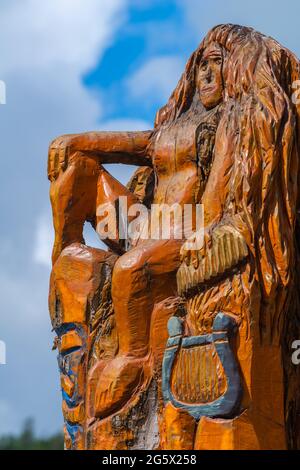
[224, 245]
[59, 151]
[109, 147]
[206, 256]
[194, 248]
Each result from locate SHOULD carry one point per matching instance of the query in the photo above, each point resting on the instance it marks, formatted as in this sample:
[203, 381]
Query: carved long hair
[260, 126]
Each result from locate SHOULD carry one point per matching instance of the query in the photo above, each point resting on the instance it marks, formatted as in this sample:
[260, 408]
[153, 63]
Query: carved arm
[130, 148]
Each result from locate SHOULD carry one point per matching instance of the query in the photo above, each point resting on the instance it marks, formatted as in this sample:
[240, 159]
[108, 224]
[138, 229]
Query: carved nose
[208, 76]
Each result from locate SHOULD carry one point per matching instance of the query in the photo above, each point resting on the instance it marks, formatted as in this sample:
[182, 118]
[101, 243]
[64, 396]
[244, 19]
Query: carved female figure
[228, 138]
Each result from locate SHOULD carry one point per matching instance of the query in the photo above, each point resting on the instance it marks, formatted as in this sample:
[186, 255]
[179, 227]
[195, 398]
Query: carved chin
[210, 100]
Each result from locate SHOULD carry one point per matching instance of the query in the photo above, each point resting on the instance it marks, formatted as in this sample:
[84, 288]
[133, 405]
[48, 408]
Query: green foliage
[27, 440]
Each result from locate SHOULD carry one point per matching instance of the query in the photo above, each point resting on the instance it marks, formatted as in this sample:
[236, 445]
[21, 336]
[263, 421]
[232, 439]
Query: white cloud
[57, 32]
[156, 79]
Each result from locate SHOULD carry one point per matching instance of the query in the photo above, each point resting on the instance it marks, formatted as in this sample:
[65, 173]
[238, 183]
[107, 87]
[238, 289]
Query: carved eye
[203, 65]
[218, 61]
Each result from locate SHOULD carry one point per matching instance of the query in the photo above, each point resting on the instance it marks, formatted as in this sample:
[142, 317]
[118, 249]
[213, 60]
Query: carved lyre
[200, 373]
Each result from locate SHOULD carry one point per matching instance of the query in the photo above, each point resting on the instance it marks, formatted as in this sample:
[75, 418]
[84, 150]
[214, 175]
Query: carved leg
[73, 199]
[143, 276]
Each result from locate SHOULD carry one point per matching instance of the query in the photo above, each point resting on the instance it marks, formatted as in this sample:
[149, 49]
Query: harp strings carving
[198, 375]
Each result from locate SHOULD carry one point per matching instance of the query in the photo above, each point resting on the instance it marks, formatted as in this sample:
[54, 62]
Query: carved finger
[62, 159]
[52, 164]
[234, 235]
[243, 247]
[56, 163]
[208, 265]
[195, 258]
[214, 260]
[221, 253]
[227, 249]
[206, 245]
[187, 257]
[180, 280]
[185, 254]
[182, 254]
[199, 273]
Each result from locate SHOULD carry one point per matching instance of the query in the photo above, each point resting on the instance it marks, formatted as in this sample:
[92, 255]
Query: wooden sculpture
[166, 346]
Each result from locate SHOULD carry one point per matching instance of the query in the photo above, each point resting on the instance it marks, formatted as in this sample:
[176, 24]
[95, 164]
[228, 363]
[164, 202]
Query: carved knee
[130, 274]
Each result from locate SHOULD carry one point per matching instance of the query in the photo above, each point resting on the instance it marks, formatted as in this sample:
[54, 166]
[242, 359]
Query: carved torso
[182, 156]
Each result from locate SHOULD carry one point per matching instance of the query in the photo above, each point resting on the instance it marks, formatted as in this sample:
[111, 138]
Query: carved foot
[119, 380]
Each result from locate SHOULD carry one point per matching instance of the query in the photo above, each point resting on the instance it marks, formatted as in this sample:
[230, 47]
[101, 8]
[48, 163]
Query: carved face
[209, 79]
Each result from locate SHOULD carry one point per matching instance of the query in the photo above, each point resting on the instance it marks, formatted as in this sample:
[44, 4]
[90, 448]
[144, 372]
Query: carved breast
[175, 163]
[182, 154]
[174, 148]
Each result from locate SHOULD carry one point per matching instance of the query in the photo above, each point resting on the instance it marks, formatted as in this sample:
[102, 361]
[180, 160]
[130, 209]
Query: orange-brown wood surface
[228, 139]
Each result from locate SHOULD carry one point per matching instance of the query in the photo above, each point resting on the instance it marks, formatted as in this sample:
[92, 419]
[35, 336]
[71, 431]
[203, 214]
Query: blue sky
[72, 66]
